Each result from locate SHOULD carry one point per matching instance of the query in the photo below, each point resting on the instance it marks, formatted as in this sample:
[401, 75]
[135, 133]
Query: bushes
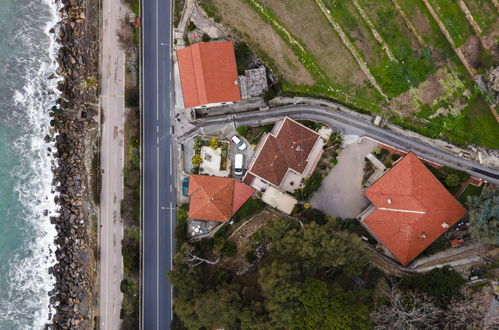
[181, 227]
[131, 251]
[443, 284]
[395, 157]
[250, 257]
[229, 249]
[312, 184]
[314, 215]
[242, 130]
[132, 97]
[252, 206]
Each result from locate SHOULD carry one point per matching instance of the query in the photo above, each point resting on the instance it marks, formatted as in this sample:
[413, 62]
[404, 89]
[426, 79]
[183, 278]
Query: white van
[238, 164]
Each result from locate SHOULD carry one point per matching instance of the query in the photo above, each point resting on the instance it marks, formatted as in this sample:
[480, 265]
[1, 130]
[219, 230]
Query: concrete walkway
[340, 194]
[111, 224]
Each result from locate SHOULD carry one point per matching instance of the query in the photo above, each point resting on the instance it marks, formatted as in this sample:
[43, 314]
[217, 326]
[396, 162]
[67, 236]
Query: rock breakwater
[75, 132]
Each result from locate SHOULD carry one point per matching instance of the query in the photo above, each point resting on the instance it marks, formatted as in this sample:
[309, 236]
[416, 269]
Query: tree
[220, 308]
[409, 310]
[196, 160]
[470, 311]
[280, 286]
[484, 216]
[214, 143]
[443, 284]
[452, 180]
[321, 247]
[323, 310]
[185, 280]
[255, 317]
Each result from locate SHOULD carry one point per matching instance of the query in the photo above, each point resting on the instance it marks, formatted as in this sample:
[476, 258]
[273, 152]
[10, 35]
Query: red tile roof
[413, 209]
[208, 73]
[215, 198]
[288, 149]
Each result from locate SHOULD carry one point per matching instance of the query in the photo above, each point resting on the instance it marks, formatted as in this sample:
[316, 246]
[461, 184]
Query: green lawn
[453, 19]
[484, 14]
[470, 190]
[414, 64]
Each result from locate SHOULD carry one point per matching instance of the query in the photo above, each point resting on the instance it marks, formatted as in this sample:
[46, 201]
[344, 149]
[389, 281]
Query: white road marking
[157, 237]
[171, 256]
[171, 170]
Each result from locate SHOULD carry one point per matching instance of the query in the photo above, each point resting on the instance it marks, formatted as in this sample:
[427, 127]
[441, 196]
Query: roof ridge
[196, 48]
[232, 193]
[413, 156]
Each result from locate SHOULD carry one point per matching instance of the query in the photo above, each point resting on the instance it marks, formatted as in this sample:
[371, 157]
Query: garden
[215, 160]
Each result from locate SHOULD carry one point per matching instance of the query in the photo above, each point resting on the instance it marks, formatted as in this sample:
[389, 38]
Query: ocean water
[27, 92]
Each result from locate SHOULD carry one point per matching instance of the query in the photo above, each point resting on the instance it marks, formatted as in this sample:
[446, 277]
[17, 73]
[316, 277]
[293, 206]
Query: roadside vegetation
[130, 213]
[130, 204]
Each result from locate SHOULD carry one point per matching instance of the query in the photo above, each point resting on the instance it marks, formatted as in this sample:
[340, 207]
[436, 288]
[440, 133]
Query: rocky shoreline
[74, 130]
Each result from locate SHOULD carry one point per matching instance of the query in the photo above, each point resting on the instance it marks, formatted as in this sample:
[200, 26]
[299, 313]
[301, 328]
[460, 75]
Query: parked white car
[239, 142]
[238, 164]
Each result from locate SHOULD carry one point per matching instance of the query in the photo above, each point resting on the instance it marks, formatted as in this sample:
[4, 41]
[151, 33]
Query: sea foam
[29, 278]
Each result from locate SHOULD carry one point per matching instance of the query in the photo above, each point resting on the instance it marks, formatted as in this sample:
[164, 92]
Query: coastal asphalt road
[348, 124]
[158, 173]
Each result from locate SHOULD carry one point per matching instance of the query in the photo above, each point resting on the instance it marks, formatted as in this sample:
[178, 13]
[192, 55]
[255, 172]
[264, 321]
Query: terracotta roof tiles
[288, 149]
[208, 73]
[413, 209]
[215, 198]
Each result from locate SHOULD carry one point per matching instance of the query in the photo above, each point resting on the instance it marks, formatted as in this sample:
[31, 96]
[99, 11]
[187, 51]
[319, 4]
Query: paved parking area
[247, 154]
[340, 194]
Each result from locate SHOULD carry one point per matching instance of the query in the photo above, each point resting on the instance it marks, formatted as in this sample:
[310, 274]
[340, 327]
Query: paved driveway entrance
[340, 194]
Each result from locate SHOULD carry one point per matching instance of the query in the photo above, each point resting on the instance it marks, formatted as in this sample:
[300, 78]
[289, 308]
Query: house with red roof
[208, 74]
[284, 157]
[215, 198]
[410, 209]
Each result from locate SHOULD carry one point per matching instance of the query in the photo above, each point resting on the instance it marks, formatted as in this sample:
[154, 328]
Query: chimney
[389, 201]
[445, 225]
[423, 235]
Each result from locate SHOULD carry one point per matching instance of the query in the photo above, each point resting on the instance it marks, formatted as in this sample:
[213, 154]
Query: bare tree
[192, 260]
[406, 311]
[469, 312]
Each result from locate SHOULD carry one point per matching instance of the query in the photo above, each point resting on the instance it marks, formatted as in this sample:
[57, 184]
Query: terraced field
[413, 60]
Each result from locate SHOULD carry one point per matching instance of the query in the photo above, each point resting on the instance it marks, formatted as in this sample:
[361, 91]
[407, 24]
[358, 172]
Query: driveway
[340, 194]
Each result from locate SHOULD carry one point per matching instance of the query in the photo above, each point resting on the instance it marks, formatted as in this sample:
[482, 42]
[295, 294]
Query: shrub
[191, 26]
[214, 143]
[132, 97]
[443, 284]
[250, 257]
[229, 249]
[127, 286]
[312, 184]
[452, 180]
[252, 206]
[181, 227]
[130, 250]
[205, 38]
[196, 161]
[242, 130]
[314, 215]
[395, 157]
